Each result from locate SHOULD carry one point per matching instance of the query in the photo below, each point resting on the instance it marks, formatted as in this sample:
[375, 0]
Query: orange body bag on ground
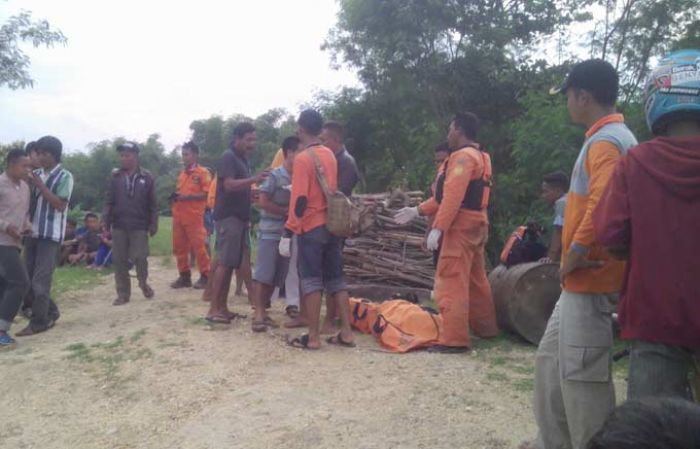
[402, 326]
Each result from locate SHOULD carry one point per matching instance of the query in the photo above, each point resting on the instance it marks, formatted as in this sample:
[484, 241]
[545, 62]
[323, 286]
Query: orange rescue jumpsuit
[189, 233]
[462, 290]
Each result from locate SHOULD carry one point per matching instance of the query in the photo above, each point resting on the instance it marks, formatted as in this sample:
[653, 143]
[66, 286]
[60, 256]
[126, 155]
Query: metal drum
[524, 296]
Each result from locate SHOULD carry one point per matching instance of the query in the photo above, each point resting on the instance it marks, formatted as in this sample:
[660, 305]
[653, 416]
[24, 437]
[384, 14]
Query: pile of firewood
[386, 253]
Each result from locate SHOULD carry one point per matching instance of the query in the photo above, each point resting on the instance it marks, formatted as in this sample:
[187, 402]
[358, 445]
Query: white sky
[137, 67]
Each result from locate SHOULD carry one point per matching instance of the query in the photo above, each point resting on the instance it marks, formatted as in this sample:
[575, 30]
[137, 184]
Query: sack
[524, 245]
[342, 216]
[402, 326]
[363, 314]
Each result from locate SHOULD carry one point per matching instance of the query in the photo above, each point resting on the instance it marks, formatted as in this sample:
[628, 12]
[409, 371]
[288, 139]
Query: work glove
[405, 215]
[285, 246]
[434, 239]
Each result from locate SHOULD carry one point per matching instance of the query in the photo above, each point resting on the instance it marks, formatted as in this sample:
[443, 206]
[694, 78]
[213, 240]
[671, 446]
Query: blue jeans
[657, 369]
[320, 262]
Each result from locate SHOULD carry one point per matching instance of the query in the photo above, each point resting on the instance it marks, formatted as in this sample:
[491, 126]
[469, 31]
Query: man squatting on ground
[131, 214]
[460, 231]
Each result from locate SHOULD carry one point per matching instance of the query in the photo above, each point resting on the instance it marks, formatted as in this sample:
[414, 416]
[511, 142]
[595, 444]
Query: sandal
[300, 343]
[258, 326]
[292, 312]
[337, 340]
[218, 320]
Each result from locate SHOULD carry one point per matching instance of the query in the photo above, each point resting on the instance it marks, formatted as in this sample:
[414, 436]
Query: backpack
[524, 245]
[342, 216]
[363, 314]
[402, 326]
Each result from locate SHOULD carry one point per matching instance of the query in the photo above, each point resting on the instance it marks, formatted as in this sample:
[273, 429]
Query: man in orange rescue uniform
[460, 231]
[189, 233]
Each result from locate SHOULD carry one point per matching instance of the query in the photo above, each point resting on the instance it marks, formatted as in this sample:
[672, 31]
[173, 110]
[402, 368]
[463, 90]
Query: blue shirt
[277, 186]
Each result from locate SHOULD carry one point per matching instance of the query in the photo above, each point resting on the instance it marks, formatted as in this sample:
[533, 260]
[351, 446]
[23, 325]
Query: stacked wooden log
[386, 253]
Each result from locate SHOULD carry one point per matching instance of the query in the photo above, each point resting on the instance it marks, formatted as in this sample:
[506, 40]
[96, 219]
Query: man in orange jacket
[460, 231]
[189, 233]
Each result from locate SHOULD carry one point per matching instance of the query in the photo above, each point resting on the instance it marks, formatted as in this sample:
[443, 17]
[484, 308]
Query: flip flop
[337, 340]
[300, 343]
[236, 316]
[269, 322]
[218, 320]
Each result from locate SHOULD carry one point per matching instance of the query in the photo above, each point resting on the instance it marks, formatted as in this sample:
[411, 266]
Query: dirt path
[152, 375]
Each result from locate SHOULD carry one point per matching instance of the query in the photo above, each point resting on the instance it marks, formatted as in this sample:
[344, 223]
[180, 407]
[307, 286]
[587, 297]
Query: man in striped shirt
[52, 186]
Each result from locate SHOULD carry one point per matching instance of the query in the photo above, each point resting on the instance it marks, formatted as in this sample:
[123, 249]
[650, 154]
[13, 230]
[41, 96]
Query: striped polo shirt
[48, 222]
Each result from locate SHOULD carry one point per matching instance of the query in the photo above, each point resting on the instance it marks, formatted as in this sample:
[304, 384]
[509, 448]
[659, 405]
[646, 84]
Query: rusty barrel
[524, 296]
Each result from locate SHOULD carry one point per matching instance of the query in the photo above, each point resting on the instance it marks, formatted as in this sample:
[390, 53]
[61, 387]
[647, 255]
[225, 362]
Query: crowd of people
[625, 232]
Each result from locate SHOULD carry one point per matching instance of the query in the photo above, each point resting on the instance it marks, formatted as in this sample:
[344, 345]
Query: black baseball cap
[595, 76]
[128, 146]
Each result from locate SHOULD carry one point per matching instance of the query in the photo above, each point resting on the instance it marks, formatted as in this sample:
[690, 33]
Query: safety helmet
[672, 91]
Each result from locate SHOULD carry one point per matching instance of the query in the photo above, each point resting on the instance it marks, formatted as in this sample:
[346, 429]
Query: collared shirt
[191, 181]
[278, 188]
[606, 143]
[47, 221]
[232, 204]
[14, 209]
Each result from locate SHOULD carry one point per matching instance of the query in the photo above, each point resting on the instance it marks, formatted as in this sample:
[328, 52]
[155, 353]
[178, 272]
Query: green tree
[14, 63]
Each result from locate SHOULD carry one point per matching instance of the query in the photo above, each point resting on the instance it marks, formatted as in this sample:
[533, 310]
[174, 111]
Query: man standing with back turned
[131, 212]
[574, 392]
[320, 252]
[650, 214]
[460, 231]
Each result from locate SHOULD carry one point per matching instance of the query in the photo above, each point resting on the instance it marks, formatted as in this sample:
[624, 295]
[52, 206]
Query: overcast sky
[136, 67]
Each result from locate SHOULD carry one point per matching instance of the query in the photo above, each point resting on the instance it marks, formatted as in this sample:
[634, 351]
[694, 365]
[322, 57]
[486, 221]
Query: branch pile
[386, 253]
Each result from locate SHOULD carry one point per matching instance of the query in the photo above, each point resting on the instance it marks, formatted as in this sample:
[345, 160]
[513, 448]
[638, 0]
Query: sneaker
[184, 281]
[6, 341]
[201, 284]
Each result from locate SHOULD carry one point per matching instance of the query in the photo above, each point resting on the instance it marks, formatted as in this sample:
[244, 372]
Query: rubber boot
[184, 281]
[201, 284]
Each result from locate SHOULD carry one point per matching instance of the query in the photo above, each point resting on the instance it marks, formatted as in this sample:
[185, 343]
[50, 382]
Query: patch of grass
[197, 320]
[525, 385]
[105, 359]
[497, 376]
[67, 279]
[136, 336]
[162, 243]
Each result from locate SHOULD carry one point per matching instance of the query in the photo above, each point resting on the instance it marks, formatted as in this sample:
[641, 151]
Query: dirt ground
[152, 374]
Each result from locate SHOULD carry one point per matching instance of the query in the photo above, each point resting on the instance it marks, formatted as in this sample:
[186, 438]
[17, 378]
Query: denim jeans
[657, 369]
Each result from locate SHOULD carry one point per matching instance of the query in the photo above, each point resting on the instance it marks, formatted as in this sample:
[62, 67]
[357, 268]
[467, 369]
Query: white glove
[285, 246]
[405, 215]
[434, 239]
